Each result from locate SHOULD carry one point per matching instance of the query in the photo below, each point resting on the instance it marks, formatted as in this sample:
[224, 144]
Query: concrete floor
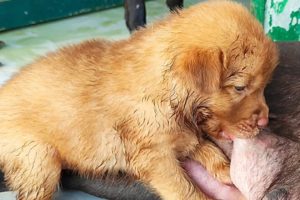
[66, 195]
[26, 44]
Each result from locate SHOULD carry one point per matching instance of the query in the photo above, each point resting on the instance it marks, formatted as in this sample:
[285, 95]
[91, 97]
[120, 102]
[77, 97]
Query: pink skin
[262, 162]
[210, 186]
[216, 190]
[263, 122]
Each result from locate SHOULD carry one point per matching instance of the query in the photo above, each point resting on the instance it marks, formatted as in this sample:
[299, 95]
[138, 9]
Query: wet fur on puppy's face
[229, 67]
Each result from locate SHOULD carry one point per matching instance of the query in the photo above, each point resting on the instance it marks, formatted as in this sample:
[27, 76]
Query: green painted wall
[282, 19]
[18, 13]
[258, 9]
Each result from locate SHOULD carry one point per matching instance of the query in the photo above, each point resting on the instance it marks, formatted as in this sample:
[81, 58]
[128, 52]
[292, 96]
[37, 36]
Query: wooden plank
[19, 13]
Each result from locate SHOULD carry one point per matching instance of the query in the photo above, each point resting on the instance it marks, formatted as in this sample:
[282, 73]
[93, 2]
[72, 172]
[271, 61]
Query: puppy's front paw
[214, 161]
[222, 172]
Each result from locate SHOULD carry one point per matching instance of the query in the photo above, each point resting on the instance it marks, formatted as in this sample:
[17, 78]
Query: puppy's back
[53, 85]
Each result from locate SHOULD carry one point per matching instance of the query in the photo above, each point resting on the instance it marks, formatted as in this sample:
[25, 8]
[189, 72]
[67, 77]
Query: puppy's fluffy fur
[138, 105]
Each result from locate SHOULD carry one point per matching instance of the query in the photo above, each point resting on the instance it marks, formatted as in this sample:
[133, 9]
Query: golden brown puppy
[138, 105]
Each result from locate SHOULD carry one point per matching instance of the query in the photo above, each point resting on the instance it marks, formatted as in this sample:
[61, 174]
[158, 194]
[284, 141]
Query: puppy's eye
[239, 88]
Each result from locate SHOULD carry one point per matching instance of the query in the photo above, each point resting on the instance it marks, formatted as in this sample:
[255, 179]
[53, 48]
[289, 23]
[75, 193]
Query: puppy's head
[228, 64]
[238, 106]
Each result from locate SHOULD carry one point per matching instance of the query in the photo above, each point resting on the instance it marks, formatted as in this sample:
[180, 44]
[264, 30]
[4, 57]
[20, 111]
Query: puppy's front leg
[166, 176]
[214, 160]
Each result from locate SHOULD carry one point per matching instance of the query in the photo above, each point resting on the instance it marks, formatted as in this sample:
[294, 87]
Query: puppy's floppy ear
[201, 67]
